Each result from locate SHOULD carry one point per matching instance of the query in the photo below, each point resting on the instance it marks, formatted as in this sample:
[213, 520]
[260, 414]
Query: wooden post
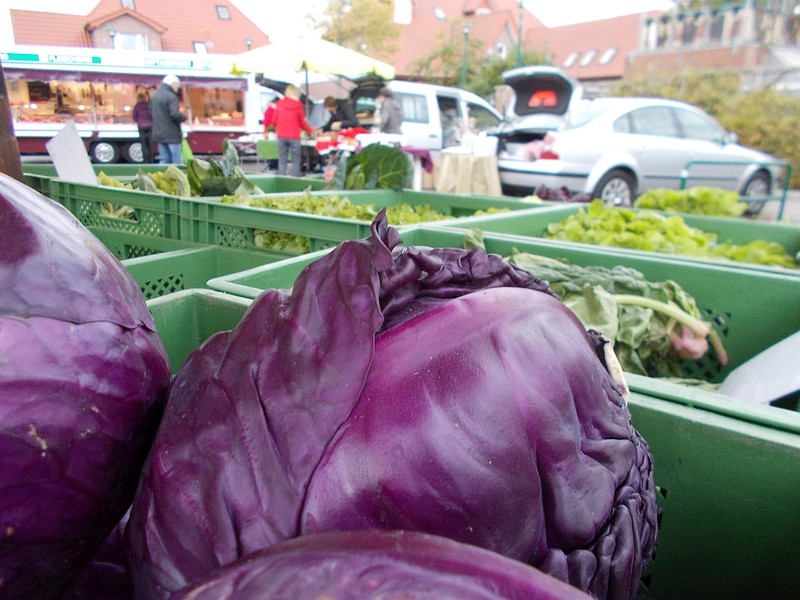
[10, 163]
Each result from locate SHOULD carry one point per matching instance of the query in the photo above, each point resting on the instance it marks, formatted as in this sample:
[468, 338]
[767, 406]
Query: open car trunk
[544, 100]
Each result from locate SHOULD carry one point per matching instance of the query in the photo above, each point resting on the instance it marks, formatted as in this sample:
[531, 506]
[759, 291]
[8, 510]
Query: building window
[223, 12]
[570, 60]
[608, 56]
[128, 4]
[588, 57]
[502, 50]
[130, 41]
[439, 13]
[200, 47]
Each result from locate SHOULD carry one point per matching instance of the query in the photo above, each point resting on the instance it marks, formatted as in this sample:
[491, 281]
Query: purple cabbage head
[402, 388]
[377, 564]
[83, 376]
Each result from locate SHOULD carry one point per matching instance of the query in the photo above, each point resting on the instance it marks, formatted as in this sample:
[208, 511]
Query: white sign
[69, 156]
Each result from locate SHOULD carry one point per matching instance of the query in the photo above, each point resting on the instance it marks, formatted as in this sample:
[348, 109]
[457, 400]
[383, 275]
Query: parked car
[617, 148]
[434, 116]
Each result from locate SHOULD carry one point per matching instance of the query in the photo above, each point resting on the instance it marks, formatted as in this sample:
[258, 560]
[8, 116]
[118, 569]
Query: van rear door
[451, 118]
[420, 126]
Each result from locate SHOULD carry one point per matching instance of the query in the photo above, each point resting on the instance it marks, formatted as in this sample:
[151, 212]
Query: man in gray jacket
[167, 119]
[391, 113]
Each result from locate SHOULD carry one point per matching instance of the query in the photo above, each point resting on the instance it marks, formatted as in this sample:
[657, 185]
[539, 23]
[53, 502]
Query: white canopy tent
[304, 55]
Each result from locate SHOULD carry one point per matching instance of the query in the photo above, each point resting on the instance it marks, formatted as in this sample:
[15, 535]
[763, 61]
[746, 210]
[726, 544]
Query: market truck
[97, 88]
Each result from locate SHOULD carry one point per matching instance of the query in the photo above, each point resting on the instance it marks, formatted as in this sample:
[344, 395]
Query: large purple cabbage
[374, 565]
[434, 390]
[83, 376]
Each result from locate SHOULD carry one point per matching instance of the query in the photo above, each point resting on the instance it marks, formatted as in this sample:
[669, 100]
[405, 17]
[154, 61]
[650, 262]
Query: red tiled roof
[32, 27]
[91, 25]
[183, 27]
[613, 39]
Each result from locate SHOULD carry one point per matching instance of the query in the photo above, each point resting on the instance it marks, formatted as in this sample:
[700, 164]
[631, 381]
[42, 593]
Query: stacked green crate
[185, 319]
[124, 210]
[280, 184]
[738, 231]
[162, 266]
[210, 221]
[39, 175]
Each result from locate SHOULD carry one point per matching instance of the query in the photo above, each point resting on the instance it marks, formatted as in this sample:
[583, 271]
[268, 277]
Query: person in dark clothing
[342, 114]
[144, 121]
[391, 113]
[167, 119]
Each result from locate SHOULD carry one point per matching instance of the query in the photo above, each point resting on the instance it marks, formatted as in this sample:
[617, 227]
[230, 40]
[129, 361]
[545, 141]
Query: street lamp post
[465, 29]
[112, 33]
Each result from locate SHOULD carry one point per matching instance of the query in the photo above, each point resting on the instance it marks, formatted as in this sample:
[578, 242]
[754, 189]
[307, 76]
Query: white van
[434, 116]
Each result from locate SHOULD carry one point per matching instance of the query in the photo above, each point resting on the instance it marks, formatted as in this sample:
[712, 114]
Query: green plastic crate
[727, 487]
[533, 223]
[279, 184]
[125, 244]
[208, 221]
[728, 494]
[38, 182]
[187, 318]
[168, 272]
[751, 310]
[161, 266]
[48, 169]
[39, 175]
[156, 215]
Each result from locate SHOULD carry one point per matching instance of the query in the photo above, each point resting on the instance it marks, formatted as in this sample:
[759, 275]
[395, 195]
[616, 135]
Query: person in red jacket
[289, 120]
[267, 118]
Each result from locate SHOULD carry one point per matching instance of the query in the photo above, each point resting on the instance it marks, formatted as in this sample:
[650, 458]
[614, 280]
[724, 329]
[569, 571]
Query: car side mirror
[731, 138]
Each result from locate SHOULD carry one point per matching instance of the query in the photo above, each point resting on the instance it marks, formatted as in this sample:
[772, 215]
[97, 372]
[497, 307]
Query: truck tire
[104, 153]
[132, 152]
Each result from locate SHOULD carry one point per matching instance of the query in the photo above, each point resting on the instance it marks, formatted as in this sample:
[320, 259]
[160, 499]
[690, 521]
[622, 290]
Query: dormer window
[128, 4]
[587, 58]
[129, 41]
[608, 56]
[223, 13]
[570, 60]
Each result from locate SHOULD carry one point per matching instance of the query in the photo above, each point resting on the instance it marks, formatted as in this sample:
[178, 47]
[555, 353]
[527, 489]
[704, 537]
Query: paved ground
[791, 210]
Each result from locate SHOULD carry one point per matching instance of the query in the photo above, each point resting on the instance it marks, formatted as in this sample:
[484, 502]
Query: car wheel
[758, 186]
[104, 152]
[133, 152]
[616, 188]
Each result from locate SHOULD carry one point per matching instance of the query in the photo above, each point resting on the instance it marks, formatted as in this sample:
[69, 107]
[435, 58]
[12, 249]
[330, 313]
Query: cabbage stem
[695, 325]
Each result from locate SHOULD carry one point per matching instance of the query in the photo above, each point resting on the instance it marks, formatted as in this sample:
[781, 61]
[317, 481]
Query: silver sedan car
[617, 148]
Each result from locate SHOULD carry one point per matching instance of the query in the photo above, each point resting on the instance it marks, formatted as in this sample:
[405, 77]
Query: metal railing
[778, 197]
